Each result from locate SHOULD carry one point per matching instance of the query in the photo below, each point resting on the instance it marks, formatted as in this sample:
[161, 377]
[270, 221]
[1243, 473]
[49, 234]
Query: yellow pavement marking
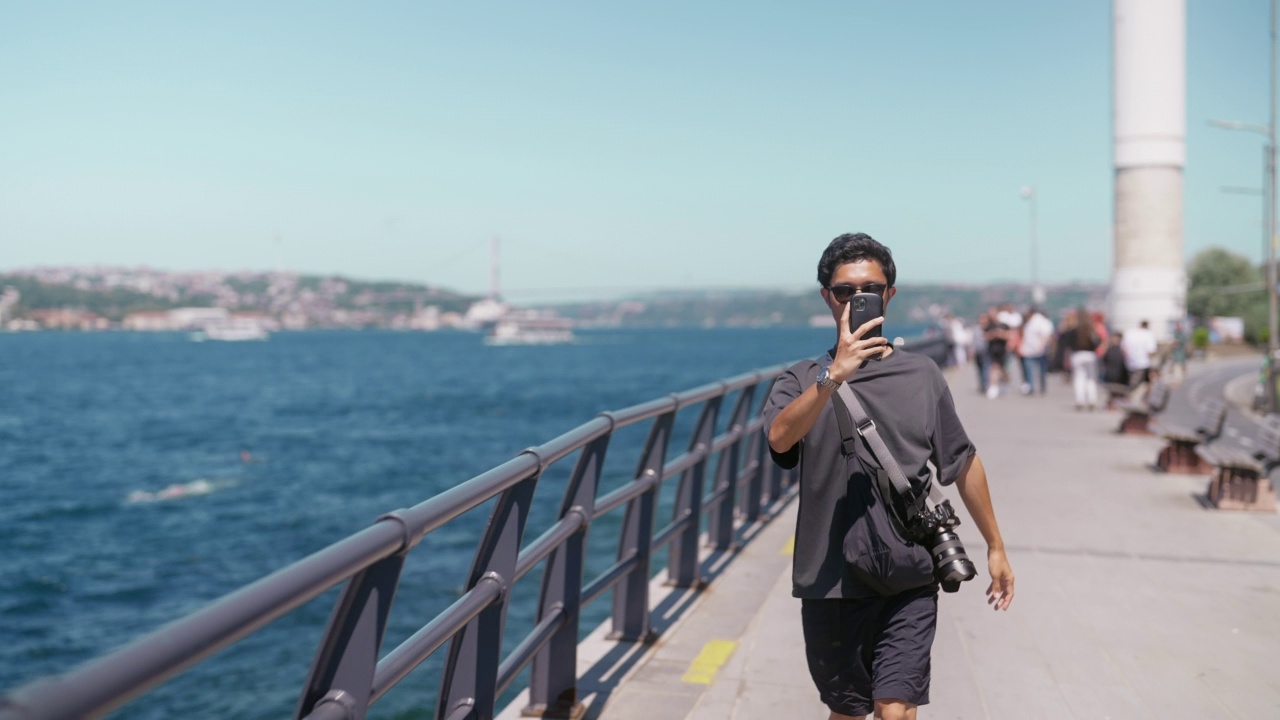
[790, 547]
[704, 667]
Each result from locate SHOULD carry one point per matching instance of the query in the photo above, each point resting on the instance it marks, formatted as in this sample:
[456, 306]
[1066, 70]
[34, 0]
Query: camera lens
[860, 304]
[951, 565]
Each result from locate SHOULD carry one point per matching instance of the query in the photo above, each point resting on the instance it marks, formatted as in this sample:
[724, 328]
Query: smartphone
[864, 307]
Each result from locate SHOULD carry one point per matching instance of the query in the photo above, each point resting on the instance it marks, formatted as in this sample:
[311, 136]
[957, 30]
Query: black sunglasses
[842, 293]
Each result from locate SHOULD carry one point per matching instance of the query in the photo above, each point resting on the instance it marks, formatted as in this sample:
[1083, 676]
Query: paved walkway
[1133, 599]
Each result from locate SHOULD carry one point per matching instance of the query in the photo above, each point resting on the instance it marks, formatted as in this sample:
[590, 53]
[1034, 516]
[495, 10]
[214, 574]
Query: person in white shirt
[1139, 345]
[960, 338]
[1034, 350]
[1009, 316]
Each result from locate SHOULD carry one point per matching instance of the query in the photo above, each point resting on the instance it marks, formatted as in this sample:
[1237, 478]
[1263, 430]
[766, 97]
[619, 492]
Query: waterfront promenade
[1133, 599]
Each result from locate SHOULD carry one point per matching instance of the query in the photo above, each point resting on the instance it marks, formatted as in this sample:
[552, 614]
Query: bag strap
[844, 399]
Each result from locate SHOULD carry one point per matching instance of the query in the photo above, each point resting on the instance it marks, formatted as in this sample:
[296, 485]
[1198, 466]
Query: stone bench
[1241, 476]
[1179, 453]
[1138, 414]
[1117, 394]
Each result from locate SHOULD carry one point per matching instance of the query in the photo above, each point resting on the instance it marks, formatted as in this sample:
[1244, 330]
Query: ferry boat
[530, 327]
[235, 329]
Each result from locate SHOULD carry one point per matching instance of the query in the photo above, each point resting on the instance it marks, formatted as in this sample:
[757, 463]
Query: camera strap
[850, 417]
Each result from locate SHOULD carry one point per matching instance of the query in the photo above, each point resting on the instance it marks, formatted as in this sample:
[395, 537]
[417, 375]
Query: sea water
[145, 475]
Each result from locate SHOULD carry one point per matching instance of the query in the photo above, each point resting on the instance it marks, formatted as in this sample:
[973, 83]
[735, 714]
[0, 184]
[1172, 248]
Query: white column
[1148, 279]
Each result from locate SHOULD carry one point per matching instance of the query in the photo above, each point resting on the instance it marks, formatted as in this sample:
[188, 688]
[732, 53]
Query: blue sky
[612, 147]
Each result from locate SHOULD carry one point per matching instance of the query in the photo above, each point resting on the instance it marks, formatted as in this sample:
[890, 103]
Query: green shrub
[1200, 338]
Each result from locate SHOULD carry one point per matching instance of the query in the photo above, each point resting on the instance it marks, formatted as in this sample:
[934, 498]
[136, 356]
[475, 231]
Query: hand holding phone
[862, 308]
[855, 345]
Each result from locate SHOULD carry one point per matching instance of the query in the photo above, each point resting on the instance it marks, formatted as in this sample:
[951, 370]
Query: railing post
[682, 563]
[771, 474]
[720, 523]
[348, 654]
[777, 477]
[754, 490]
[471, 671]
[631, 595]
[553, 679]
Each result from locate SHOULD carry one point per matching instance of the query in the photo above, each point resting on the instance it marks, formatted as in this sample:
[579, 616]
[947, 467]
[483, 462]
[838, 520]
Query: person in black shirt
[1083, 341]
[867, 652]
[997, 334]
[1114, 372]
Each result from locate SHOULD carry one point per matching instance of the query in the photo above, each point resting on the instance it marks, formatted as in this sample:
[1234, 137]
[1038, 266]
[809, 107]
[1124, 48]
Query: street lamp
[1273, 303]
[1037, 293]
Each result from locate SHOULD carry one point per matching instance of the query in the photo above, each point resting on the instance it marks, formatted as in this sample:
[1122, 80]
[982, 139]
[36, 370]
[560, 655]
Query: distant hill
[312, 301]
[913, 303]
[298, 301]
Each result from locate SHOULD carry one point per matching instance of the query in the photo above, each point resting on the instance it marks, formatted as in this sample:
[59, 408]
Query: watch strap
[825, 381]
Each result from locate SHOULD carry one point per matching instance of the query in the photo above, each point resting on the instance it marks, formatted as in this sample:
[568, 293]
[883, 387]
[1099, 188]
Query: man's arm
[797, 419]
[972, 485]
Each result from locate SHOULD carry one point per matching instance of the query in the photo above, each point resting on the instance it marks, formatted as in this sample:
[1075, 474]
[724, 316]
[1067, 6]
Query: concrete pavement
[1133, 600]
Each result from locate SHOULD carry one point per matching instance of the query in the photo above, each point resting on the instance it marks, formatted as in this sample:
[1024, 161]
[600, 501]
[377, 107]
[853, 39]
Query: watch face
[824, 376]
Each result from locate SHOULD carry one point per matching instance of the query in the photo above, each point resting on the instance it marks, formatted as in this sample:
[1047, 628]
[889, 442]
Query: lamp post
[1037, 293]
[1273, 303]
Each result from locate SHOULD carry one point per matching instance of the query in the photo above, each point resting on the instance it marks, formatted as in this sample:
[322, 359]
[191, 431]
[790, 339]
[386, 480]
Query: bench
[1117, 394]
[1179, 453]
[1138, 414]
[1241, 476]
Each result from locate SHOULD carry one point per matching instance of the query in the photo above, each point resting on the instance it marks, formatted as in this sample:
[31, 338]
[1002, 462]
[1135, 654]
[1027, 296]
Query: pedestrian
[1179, 350]
[1037, 332]
[1139, 345]
[1115, 376]
[1061, 361]
[997, 336]
[868, 652]
[959, 338]
[1083, 343]
[1100, 328]
[1012, 320]
[981, 354]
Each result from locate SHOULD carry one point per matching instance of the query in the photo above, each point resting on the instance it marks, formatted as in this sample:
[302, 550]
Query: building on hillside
[69, 319]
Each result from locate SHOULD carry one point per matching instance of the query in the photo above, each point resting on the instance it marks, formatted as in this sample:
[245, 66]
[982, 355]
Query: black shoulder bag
[883, 545]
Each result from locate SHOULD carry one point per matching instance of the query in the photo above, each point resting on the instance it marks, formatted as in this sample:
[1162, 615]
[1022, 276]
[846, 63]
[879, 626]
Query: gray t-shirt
[910, 403]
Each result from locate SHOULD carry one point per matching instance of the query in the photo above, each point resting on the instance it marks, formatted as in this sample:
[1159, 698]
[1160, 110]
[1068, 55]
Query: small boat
[235, 329]
[530, 327]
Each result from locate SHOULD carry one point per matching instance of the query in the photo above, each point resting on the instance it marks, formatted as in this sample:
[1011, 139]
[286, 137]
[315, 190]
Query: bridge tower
[1148, 278]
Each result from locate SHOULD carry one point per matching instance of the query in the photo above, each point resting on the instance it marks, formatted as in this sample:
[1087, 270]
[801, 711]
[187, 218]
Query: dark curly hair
[855, 247]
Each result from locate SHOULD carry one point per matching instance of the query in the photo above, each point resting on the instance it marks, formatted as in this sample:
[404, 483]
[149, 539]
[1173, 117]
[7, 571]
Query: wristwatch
[824, 379]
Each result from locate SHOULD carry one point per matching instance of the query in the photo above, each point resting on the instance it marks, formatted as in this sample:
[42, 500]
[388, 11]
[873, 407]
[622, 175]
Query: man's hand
[1000, 591]
[851, 350]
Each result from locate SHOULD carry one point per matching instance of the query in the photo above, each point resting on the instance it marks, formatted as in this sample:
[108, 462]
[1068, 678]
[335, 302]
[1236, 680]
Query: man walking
[1037, 331]
[1139, 345]
[867, 652]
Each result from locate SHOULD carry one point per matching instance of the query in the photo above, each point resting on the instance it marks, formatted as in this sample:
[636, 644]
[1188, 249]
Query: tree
[1219, 284]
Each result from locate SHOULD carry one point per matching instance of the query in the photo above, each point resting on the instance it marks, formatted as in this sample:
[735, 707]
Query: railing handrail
[347, 675]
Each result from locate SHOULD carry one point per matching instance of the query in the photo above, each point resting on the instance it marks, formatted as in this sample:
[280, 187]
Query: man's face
[861, 276]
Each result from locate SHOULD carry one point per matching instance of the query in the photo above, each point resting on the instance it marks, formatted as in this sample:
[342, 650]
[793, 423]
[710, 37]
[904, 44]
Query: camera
[935, 529]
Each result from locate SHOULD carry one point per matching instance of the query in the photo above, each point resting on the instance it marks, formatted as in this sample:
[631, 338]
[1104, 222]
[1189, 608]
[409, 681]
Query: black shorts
[997, 354]
[860, 651]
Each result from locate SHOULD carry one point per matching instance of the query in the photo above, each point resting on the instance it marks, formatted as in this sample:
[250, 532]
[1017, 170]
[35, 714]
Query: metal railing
[347, 675]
